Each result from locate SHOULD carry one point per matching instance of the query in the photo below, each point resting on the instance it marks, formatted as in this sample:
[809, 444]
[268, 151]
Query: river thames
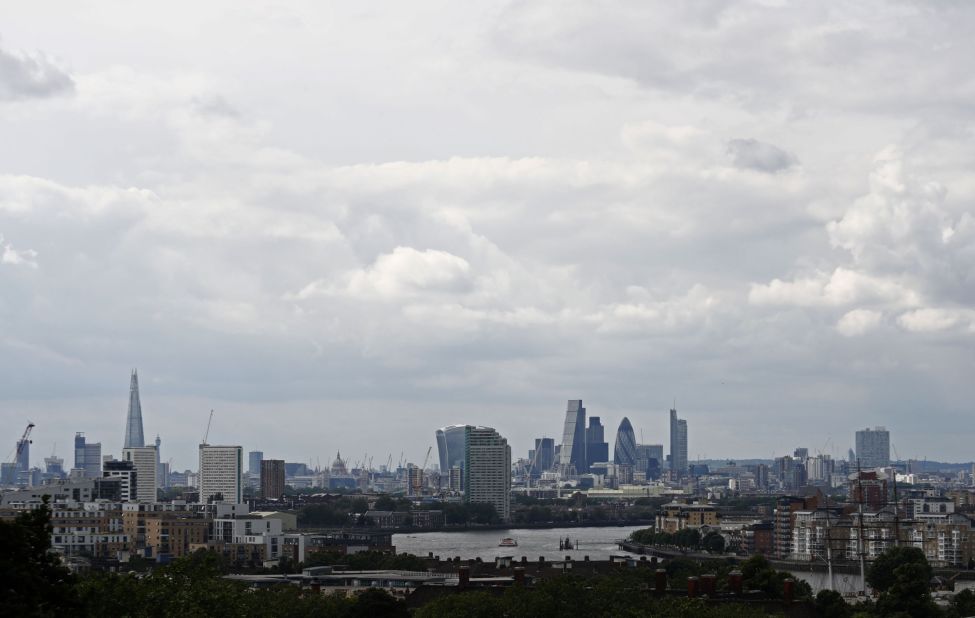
[597, 543]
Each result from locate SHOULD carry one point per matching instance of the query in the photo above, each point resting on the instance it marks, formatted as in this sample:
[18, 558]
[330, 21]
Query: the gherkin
[625, 451]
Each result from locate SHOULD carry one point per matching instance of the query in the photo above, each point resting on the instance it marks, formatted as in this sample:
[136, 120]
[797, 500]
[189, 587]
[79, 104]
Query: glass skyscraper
[678, 445]
[572, 455]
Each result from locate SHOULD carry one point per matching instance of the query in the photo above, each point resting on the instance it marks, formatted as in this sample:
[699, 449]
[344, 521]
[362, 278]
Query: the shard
[133, 423]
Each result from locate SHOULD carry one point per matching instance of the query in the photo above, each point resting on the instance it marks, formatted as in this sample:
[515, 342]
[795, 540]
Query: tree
[881, 576]
[910, 593]
[963, 603]
[374, 602]
[830, 604]
[468, 604]
[713, 542]
[32, 580]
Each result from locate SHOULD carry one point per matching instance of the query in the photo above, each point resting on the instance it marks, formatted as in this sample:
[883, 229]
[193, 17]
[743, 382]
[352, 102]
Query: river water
[597, 543]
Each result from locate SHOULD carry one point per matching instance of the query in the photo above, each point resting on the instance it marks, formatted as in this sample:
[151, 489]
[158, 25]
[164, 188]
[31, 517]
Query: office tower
[450, 446]
[650, 459]
[802, 454]
[23, 455]
[572, 456]
[597, 449]
[221, 469]
[133, 422]
[254, 459]
[8, 473]
[54, 466]
[544, 457]
[143, 459]
[624, 452]
[128, 479]
[873, 447]
[487, 469]
[87, 457]
[678, 446]
[272, 478]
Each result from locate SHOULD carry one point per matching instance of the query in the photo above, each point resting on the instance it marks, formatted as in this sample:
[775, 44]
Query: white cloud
[931, 320]
[858, 322]
[15, 257]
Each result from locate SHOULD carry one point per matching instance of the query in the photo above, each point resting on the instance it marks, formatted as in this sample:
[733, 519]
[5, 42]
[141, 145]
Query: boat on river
[508, 542]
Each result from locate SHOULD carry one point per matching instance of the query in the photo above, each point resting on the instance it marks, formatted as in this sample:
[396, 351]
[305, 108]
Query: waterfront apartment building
[678, 446]
[143, 459]
[272, 478]
[873, 447]
[221, 472]
[487, 470]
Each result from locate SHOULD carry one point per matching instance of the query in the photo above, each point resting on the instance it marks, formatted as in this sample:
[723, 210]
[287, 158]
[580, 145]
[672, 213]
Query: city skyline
[422, 215]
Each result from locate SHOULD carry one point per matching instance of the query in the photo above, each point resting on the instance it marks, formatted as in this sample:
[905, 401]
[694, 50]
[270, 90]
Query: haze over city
[342, 227]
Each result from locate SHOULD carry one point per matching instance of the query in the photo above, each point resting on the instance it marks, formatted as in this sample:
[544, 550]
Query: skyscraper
[143, 459]
[221, 470]
[450, 446]
[678, 445]
[487, 469]
[87, 457]
[254, 459]
[133, 422]
[624, 453]
[650, 459]
[873, 447]
[597, 449]
[572, 455]
[272, 478]
[23, 455]
[544, 456]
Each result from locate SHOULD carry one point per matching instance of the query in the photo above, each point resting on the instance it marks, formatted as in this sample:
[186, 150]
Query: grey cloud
[30, 76]
[759, 156]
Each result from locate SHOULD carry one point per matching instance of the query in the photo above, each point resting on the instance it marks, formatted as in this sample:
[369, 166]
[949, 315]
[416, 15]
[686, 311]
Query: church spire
[133, 423]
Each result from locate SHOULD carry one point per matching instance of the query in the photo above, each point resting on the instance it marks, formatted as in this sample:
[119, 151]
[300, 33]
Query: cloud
[858, 322]
[14, 257]
[759, 156]
[932, 320]
[31, 76]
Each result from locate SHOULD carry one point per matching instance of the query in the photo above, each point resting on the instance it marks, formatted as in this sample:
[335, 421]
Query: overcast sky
[342, 225]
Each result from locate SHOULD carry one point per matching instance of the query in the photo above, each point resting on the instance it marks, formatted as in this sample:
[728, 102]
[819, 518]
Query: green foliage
[758, 574]
[963, 604]
[468, 604]
[881, 576]
[323, 515]
[32, 579]
[713, 542]
[688, 538]
[909, 594]
[830, 604]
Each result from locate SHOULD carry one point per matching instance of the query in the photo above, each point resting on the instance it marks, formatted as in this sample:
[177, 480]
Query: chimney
[463, 577]
[660, 582]
[708, 584]
[692, 587]
[789, 590]
[734, 582]
[519, 576]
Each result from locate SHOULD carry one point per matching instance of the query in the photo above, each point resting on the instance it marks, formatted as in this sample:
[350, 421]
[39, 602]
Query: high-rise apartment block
[144, 461]
[272, 478]
[678, 445]
[487, 469]
[127, 476]
[873, 447]
[221, 472]
[572, 455]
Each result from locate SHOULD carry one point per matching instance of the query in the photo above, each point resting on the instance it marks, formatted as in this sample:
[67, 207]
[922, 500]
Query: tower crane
[207, 433]
[427, 458]
[24, 439]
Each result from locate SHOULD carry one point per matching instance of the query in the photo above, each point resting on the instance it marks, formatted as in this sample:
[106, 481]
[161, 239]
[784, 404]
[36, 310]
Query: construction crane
[207, 434]
[427, 458]
[24, 440]
[389, 463]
